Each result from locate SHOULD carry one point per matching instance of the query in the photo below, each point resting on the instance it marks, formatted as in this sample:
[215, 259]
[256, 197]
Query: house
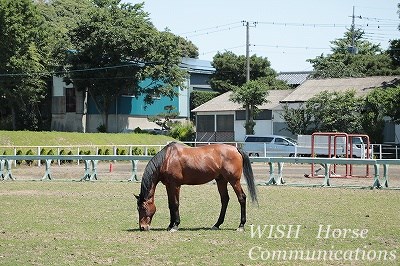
[73, 110]
[222, 120]
[361, 86]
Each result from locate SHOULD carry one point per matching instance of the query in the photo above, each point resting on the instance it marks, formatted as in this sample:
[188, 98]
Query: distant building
[222, 120]
[73, 110]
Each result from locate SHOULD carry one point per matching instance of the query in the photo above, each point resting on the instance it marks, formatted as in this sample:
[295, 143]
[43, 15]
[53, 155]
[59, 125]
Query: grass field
[53, 138]
[73, 223]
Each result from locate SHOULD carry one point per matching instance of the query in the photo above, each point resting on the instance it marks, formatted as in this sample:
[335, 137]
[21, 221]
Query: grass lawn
[73, 223]
[53, 138]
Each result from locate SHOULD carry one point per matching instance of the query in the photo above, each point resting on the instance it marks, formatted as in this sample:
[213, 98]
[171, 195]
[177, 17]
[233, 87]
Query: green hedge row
[43, 151]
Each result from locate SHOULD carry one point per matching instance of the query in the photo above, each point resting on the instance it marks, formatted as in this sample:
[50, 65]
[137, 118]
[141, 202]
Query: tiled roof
[222, 102]
[362, 86]
[294, 78]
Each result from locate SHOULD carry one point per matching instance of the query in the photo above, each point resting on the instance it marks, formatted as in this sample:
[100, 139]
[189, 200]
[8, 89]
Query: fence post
[134, 171]
[327, 173]
[376, 183]
[47, 174]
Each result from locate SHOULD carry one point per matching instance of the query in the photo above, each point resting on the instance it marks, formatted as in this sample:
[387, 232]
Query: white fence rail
[275, 177]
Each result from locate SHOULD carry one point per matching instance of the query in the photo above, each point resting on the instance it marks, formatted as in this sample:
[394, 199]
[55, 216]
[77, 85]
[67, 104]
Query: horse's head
[146, 209]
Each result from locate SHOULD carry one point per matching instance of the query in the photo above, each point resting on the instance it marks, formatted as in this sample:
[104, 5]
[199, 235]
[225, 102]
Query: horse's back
[199, 165]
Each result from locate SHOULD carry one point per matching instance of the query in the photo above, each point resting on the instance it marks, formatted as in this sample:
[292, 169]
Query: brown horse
[177, 165]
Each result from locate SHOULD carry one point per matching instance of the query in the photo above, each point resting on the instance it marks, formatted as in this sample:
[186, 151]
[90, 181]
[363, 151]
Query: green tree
[62, 16]
[376, 107]
[298, 120]
[164, 120]
[335, 112]
[23, 62]
[369, 59]
[326, 112]
[251, 94]
[230, 70]
[116, 47]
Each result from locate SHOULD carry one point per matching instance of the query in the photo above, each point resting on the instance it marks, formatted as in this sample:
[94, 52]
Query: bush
[151, 151]
[137, 151]
[138, 130]
[182, 131]
[19, 152]
[29, 162]
[102, 128]
[69, 161]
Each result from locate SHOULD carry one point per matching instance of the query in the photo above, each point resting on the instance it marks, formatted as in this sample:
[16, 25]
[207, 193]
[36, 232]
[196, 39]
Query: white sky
[215, 25]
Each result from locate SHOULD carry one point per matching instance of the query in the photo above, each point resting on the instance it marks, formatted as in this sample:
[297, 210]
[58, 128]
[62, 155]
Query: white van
[269, 146]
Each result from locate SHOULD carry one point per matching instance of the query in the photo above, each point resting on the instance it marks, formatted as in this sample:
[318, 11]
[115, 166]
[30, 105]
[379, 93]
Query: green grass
[52, 138]
[71, 223]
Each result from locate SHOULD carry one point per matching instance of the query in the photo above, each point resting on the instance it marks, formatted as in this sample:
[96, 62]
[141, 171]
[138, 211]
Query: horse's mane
[152, 170]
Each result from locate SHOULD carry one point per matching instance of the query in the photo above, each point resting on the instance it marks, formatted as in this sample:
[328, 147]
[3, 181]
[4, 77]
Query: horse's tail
[248, 174]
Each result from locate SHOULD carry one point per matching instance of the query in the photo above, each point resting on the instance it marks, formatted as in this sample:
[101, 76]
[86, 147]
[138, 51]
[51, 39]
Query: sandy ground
[292, 174]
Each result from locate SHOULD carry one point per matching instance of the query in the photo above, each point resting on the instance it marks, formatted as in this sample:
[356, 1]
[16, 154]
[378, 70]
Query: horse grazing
[177, 165]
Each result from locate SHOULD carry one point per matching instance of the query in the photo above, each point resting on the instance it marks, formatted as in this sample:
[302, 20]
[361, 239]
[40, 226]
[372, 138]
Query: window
[205, 123]
[259, 139]
[225, 123]
[262, 115]
[70, 101]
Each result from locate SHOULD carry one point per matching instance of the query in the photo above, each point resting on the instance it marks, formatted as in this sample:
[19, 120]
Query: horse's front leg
[173, 204]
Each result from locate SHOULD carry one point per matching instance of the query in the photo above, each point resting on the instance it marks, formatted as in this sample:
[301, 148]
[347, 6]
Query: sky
[285, 32]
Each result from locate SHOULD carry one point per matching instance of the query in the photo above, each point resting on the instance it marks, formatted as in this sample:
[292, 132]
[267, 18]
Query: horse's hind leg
[223, 192]
[242, 200]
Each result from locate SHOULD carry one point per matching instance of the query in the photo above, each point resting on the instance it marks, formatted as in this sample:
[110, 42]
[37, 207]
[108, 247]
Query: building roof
[197, 66]
[362, 86]
[222, 102]
[294, 78]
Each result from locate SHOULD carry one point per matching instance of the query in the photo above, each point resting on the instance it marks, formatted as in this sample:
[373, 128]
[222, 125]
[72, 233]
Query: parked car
[269, 146]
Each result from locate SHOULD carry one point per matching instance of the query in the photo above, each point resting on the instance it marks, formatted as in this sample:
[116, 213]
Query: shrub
[29, 162]
[137, 151]
[182, 131]
[70, 153]
[138, 130]
[19, 152]
[102, 128]
[151, 151]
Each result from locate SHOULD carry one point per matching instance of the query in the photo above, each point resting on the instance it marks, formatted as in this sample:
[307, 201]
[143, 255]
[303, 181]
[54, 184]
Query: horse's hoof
[214, 228]
[240, 229]
[172, 229]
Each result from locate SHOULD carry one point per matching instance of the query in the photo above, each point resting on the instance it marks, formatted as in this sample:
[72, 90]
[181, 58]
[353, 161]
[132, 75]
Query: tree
[375, 108]
[230, 70]
[164, 120]
[62, 16]
[369, 59]
[298, 120]
[326, 112]
[23, 62]
[335, 112]
[115, 47]
[251, 94]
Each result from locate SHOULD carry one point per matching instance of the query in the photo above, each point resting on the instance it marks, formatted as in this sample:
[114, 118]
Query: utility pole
[247, 24]
[247, 51]
[352, 29]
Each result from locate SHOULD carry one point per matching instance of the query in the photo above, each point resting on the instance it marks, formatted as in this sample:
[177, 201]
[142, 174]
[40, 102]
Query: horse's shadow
[194, 229]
